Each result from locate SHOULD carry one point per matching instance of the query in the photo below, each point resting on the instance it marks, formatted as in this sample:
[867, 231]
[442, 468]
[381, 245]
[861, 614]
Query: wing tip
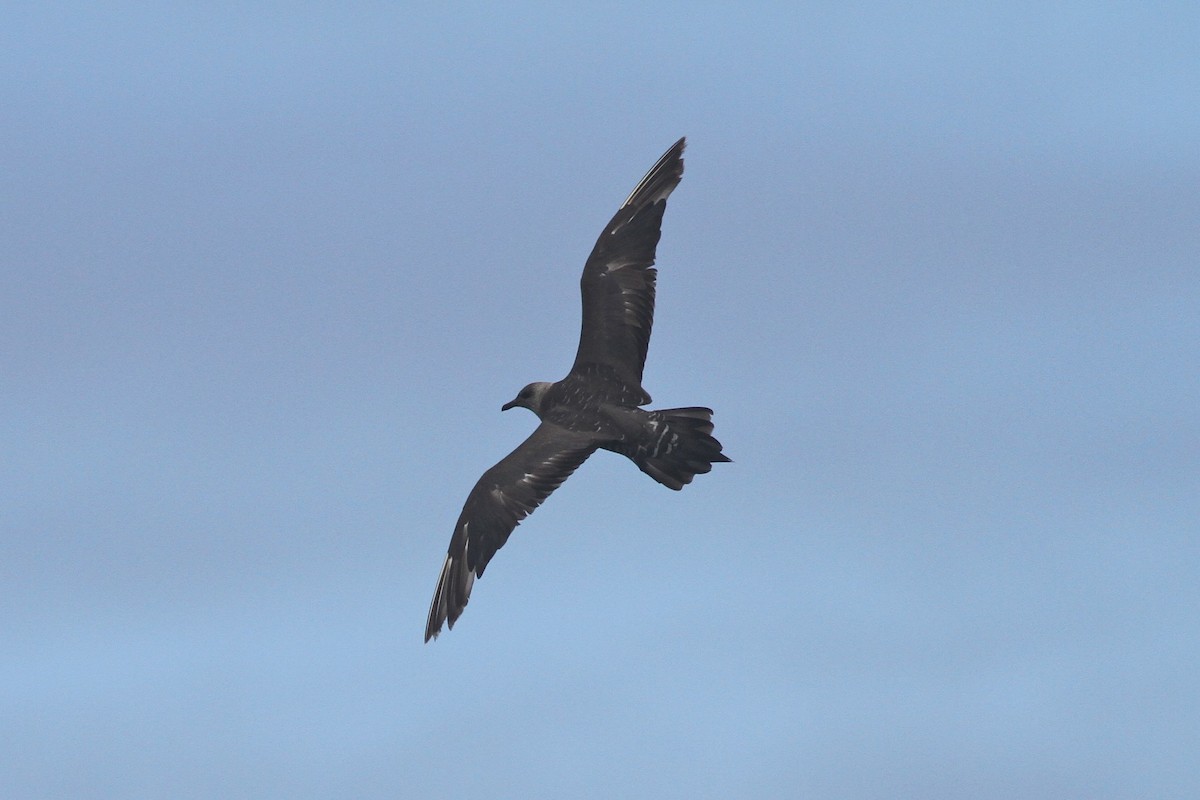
[450, 597]
[662, 178]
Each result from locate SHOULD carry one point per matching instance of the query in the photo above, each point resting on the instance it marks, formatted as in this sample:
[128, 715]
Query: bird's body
[596, 406]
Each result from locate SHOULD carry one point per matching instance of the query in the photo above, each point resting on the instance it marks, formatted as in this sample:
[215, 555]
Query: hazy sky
[267, 275]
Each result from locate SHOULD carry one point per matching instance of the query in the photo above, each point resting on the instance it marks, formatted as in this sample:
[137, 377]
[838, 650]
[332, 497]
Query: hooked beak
[510, 404]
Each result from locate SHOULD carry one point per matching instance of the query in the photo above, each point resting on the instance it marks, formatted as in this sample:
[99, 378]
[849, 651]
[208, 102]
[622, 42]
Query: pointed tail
[678, 446]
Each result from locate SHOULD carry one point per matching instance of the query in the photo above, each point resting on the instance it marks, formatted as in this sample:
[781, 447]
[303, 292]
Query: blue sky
[268, 274]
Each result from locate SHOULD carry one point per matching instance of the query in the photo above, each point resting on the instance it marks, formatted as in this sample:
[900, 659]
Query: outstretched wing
[505, 495]
[618, 279]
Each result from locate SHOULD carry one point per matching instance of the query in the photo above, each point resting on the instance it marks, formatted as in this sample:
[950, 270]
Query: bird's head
[530, 397]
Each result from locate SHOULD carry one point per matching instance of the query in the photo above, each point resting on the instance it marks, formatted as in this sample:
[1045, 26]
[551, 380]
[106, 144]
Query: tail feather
[678, 446]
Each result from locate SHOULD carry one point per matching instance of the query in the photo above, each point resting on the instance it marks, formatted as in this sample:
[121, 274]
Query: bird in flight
[597, 405]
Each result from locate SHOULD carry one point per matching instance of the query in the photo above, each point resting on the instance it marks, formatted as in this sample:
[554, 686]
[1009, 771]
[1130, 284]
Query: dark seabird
[595, 406]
